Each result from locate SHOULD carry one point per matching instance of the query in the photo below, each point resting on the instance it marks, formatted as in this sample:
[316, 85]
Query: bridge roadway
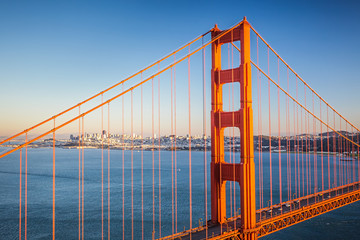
[278, 216]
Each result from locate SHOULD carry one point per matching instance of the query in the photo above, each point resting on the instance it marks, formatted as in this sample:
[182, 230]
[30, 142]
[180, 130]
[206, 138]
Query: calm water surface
[343, 223]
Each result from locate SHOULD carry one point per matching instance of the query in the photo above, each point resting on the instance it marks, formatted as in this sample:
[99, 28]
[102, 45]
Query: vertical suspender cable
[334, 155]
[26, 173]
[310, 155]
[302, 155]
[297, 140]
[328, 144]
[346, 156]
[159, 140]
[53, 191]
[172, 154]
[340, 150]
[79, 177]
[295, 152]
[82, 179]
[108, 167]
[350, 152]
[270, 133]
[353, 155]
[288, 174]
[348, 173]
[261, 167]
[322, 151]
[123, 163]
[176, 216]
[308, 150]
[315, 149]
[153, 150]
[279, 138]
[20, 174]
[205, 141]
[132, 168]
[102, 168]
[306, 155]
[142, 162]
[259, 121]
[288, 136]
[261, 147]
[349, 155]
[190, 182]
[123, 166]
[358, 157]
[343, 150]
[343, 147]
[338, 143]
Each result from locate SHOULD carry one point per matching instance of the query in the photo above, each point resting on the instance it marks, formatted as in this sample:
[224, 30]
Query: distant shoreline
[163, 148]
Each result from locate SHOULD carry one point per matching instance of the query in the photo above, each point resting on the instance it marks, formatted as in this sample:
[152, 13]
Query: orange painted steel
[243, 172]
[218, 202]
[247, 165]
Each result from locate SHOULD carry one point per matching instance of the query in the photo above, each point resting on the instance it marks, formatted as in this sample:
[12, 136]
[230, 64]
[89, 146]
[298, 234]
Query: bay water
[343, 223]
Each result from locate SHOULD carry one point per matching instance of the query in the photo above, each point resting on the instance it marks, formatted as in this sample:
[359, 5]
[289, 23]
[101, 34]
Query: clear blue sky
[53, 54]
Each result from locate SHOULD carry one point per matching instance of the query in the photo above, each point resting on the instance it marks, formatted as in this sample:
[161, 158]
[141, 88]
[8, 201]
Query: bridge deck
[278, 216]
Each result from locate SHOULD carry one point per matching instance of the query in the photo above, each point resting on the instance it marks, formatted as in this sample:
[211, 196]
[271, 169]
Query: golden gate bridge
[273, 160]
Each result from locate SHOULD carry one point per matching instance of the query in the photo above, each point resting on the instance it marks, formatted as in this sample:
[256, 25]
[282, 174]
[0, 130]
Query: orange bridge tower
[221, 171]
